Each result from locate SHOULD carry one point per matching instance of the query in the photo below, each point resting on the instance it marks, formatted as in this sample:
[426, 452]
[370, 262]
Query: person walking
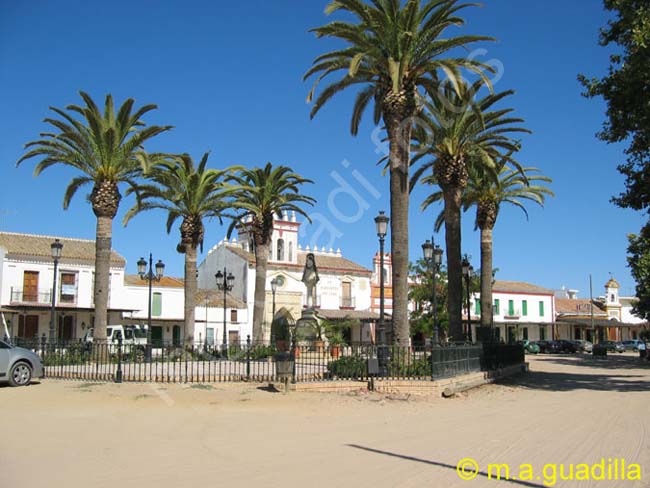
[642, 350]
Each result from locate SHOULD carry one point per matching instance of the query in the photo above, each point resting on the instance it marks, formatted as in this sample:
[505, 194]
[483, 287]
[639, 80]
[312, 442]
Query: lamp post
[381, 222]
[56, 248]
[467, 273]
[433, 256]
[225, 282]
[150, 276]
[274, 288]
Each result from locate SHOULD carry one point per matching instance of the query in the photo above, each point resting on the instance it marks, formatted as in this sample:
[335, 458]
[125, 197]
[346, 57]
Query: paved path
[569, 409]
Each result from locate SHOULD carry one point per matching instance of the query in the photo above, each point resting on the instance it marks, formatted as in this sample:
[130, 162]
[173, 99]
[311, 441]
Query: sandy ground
[569, 409]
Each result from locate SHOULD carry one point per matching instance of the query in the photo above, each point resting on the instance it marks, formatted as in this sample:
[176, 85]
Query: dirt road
[567, 410]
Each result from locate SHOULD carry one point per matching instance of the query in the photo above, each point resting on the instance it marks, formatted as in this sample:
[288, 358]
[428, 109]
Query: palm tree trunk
[400, 138]
[103, 244]
[452, 196]
[486, 277]
[261, 263]
[190, 294]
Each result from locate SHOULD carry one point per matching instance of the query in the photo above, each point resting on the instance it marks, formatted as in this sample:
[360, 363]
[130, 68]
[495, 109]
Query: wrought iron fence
[245, 361]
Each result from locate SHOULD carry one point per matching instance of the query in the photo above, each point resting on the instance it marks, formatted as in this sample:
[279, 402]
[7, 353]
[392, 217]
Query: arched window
[290, 257]
[280, 249]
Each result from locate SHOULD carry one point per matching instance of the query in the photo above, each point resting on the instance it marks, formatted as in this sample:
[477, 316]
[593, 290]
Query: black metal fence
[205, 363]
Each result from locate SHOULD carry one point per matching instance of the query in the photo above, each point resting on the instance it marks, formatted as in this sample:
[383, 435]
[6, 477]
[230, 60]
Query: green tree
[106, 149]
[625, 91]
[462, 127]
[394, 51]
[421, 294]
[639, 262]
[191, 193]
[260, 194]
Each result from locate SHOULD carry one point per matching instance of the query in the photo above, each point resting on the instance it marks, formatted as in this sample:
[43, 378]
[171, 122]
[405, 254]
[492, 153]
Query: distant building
[520, 311]
[612, 315]
[344, 289]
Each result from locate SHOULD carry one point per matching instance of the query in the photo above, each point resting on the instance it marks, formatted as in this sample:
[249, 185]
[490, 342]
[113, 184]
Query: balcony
[512, 314]
[41, 297]
[347, 303]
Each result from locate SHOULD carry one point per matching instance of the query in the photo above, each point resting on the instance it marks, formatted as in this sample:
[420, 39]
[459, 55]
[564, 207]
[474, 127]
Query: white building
[342, 292]
[520, 310]
[609, 316]
[26, 280]
[167, 310]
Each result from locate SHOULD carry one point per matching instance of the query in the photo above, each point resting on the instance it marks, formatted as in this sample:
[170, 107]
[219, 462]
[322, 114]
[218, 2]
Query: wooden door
[346, 290]
[28, 326]
[233, 337]
[30, 286]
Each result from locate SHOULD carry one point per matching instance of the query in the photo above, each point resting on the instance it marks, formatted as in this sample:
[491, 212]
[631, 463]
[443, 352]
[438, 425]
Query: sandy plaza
[568, 409]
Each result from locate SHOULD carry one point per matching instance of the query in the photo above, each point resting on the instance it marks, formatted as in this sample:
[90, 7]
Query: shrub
[348, 367]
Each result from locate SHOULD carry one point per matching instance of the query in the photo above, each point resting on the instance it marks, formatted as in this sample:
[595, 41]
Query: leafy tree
[462, 127]
[394, 51]
[191, 193]
[639, 262]
[421, 294]
[106, 149]
[260, 194]
[625, 91]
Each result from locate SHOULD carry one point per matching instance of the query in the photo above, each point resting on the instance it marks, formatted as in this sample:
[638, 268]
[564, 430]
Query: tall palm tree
[260, 194]
[395, 52]
[488, 193]
[512, 186]
[462, 125]
[105, 149]
[192, 193]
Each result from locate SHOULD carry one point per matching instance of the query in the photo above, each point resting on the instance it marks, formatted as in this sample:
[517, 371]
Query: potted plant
[335, 332]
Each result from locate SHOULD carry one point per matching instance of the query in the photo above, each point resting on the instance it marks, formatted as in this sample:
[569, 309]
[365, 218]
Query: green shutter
[156, 305]
[524, 307]
[496, 306]
[541, 309]
[511, 308]
[477, 307]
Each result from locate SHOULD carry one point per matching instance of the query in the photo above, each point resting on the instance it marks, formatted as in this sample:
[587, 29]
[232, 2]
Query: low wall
[413, 387]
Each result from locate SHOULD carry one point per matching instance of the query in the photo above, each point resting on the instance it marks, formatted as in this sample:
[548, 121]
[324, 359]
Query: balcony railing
[42, 297]
[511, 314]
[19, 296]
[347, 302]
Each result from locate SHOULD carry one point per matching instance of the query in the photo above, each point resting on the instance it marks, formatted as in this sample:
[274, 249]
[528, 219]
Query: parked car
[549, 347]
[583, 346]
[567, 346]
[18, 366]
[632, 345]
[530, 347]
[613, 346]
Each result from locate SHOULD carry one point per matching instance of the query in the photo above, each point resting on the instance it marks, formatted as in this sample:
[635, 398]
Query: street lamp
[225, 282]
[433, 256]
[467, 273]
[150, 277]
[274, 288]
[56, 248]
[381, 222]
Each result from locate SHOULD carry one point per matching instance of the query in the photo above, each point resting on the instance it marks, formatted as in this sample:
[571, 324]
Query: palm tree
[260, 194]
[394, 52]
[488, 193]
[512, 186]
[105, 149]
[462, 127]
[192, 193]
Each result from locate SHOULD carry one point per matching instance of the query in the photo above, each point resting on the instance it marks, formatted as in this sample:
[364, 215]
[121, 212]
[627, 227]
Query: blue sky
[228, 76]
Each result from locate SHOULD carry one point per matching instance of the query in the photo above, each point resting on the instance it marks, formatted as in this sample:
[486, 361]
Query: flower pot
[335, 351]
[319, 346]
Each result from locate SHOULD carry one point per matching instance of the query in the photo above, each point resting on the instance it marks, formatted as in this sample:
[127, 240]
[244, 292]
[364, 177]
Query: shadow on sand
[611, 374]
